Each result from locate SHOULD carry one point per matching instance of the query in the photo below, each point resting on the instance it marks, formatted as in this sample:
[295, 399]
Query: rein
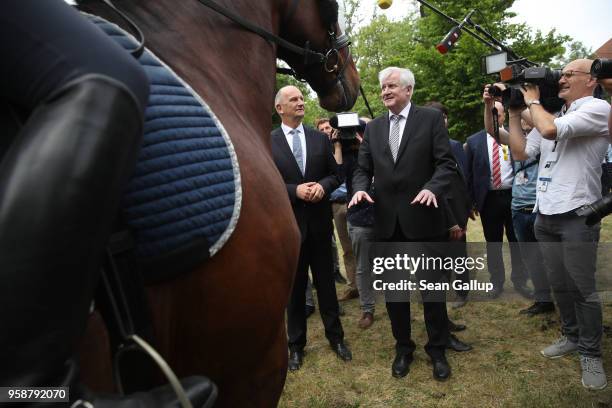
[310, 56]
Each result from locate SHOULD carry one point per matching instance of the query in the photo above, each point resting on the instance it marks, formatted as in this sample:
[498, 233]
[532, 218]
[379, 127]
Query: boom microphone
[449, 41]
[385, 4]
[453, 35]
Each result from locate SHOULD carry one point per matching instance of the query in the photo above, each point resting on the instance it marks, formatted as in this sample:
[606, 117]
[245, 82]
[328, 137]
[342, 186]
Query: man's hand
[358, 197]
[303, 190]
[455, 233]
[486, 96]
[316, 193]
[425, 197]
[530, 92]
[333, 135]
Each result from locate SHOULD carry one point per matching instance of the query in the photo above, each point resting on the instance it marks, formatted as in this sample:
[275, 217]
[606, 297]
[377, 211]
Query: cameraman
[339, 200]
[524, 189]
[571, 145]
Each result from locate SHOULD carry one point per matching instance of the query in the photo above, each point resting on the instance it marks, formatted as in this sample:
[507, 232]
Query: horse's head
[329, 68]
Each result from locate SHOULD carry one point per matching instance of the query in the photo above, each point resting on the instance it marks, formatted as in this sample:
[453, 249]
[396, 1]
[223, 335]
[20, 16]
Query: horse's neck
[232, 69]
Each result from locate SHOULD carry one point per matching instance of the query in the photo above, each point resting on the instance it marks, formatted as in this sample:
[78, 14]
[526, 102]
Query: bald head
[576, 81]
[582, 64]
[289, 104]
[282, 93]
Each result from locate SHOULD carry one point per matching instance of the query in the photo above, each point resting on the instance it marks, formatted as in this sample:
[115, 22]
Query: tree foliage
[454, 79]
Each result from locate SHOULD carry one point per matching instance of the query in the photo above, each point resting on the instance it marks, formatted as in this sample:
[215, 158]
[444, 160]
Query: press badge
[521, 178]
[545, 174]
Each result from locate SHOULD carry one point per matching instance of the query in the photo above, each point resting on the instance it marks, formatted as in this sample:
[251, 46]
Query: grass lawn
[505, 369]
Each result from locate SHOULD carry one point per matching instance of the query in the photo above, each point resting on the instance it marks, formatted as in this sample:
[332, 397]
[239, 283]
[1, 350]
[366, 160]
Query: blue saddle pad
[186, 186]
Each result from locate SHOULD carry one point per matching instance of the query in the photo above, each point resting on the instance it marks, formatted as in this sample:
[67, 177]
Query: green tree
[455, 79]
[577, 50]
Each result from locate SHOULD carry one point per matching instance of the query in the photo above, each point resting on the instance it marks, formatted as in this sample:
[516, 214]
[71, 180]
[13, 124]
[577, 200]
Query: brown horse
[225, 319]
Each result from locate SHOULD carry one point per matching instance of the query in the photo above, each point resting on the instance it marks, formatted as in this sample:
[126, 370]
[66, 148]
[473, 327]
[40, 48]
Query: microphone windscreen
[385, 4]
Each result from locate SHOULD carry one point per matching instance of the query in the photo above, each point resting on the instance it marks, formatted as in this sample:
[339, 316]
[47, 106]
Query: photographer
[338, 199]
[571, 146]
[345, 152]
[522, 205]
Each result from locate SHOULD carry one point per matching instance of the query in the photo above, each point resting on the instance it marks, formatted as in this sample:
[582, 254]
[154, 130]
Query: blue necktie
[297, 149]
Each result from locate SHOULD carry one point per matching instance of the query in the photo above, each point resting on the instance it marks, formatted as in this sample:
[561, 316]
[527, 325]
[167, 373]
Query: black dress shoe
[539, 308]
[309, 310]
[295, 360]
[457, 345]
[342, 351]
[454, 327]
[523, 290]
[401, 365]
[441, 369]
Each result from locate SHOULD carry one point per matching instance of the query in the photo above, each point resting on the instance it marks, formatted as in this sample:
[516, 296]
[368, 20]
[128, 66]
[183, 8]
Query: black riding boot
[60, 184]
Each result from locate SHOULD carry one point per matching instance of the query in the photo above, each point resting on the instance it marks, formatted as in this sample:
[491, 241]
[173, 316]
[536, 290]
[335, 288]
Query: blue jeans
[530, 252]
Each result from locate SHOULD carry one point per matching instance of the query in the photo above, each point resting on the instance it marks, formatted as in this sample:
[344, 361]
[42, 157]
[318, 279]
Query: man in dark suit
[304, 158]
[490, 184]
[407, 153]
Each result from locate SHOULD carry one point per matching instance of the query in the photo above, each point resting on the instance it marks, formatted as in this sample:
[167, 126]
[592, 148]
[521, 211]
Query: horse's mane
[329, 12]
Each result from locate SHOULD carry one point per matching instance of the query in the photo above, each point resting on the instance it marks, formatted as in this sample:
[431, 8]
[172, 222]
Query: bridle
[329, 58]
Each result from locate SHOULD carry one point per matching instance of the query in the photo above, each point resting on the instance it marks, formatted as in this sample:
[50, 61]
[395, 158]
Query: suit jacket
[320, 167]
[459, 154]
[424, 161]
[478, 173]
[458, 201]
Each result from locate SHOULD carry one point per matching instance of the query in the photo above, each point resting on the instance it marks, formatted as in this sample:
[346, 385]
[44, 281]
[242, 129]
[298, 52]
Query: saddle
[183, 200]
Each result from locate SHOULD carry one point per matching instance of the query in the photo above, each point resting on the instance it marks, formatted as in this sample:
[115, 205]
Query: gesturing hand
[358, 197]
[425, 197]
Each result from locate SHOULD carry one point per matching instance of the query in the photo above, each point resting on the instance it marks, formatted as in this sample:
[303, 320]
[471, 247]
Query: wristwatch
[535, 101]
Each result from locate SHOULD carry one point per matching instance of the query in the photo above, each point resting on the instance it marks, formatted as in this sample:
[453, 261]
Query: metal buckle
[327, 56]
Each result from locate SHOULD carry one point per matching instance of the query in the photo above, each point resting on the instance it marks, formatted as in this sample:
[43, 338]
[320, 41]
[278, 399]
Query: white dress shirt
[286, 129]
[574, 178]
[402, 122]
[505, 165]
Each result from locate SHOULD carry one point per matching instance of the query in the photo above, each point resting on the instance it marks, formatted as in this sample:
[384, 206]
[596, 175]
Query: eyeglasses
[571, 73]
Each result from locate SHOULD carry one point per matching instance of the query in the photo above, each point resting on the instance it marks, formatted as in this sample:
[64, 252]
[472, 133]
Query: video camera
[347, 124]
[602, 68]
[517, 74]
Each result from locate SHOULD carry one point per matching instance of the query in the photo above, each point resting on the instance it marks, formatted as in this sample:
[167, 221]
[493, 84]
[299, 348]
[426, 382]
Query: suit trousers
[458, 249]
[531, 254]
[339, 211]
[315, 253]
[495, 215]
[361, 237]
[436, 317]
